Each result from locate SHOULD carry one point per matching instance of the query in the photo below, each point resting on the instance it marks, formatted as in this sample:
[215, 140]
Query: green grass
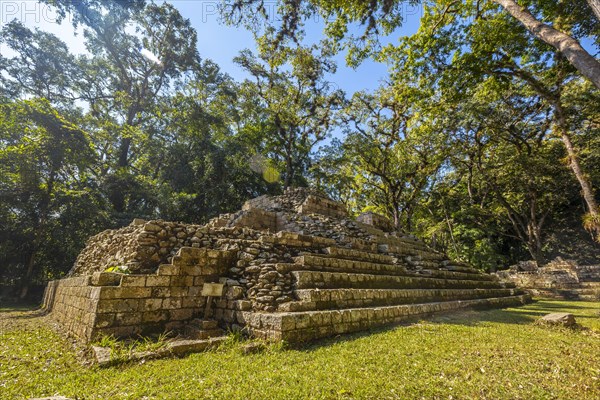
[496, 354]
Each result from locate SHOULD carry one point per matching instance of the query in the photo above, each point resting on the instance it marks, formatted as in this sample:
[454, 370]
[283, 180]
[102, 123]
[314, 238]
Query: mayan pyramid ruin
[293, 267]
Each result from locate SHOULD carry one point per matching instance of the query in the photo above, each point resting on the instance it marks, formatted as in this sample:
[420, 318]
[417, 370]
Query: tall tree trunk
[26, 281]
[395, 213]
[595, 6]
[586, 186]
[118, 192]
[585, 63]
[123, 160]
[289, 171]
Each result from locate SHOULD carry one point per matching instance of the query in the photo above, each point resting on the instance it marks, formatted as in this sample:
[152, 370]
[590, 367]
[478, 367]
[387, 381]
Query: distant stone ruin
[293, 267]
[559, 278]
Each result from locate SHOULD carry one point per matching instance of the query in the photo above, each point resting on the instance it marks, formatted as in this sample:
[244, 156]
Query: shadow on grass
[22, 310]
[467, 317]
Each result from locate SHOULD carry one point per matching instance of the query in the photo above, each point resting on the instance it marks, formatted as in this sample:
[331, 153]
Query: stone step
[461, 268]
[402, 244]
[314, 262]
[204, 323]
[445, 274]
[569, 294]
[361, 244]
[303, 326]
[351, 254]
[422, 254]
[323, 263]
[293, 239]
[591, 285]
[200, 329]
[420, 264]
[202, 334]
[317, 299]
[590, 297]
[335, 280]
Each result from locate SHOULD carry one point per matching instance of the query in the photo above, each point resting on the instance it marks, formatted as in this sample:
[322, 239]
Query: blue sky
[221, 43]
[216, 41]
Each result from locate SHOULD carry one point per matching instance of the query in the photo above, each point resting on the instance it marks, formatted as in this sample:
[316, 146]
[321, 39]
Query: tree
[295, 105]
[121, 84]
[199, 166]
[395, 151]
[569, 47]
[131, 73]
[42, 67]
[382, 17]
[470, 48]
[44, 159]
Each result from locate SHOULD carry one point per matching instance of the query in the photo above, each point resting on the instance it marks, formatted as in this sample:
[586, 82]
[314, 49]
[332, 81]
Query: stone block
[194, 270]
[179, 291]
[135, 292]
[192, 302]
[157, 292]
[155, 316]
[564, 319]
[104, 320]
[133, 280]
[155, 280]
[181, 314]
[128, 318]
[171, 303]
[182, 281]
[106, 279]
[118, 305]
[168, 269]
[151, 304]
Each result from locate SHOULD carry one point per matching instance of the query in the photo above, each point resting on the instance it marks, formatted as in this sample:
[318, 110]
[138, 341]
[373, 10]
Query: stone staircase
[341, 290]
[589, 291]
[202, 329]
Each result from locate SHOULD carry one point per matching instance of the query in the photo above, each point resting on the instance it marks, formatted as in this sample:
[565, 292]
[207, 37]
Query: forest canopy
[483, 139]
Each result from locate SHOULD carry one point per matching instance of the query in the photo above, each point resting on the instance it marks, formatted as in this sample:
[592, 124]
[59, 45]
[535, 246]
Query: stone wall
[376, 220]
[144, 245]
[321, 205]
[559, 278]
[590, 273]
[124, 305]
[73, 302]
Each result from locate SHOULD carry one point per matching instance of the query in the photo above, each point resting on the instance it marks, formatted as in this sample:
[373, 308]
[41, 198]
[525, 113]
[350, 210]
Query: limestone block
[181, 314]
[133, 281]
[193, 270]
[168, 269]
[564, 319]
[155, 316]
[118, 305]
[128, 318]
[155, 280]
[104, 320]
[135, 292]
[151, 304]
[157, 292]
[180, 280]
[171, 303]
[106, 279]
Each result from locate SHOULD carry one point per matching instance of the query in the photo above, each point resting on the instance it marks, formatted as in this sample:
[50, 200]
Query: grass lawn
[496, 354]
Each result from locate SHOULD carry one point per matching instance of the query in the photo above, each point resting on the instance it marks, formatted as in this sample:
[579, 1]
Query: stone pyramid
[293, 267]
